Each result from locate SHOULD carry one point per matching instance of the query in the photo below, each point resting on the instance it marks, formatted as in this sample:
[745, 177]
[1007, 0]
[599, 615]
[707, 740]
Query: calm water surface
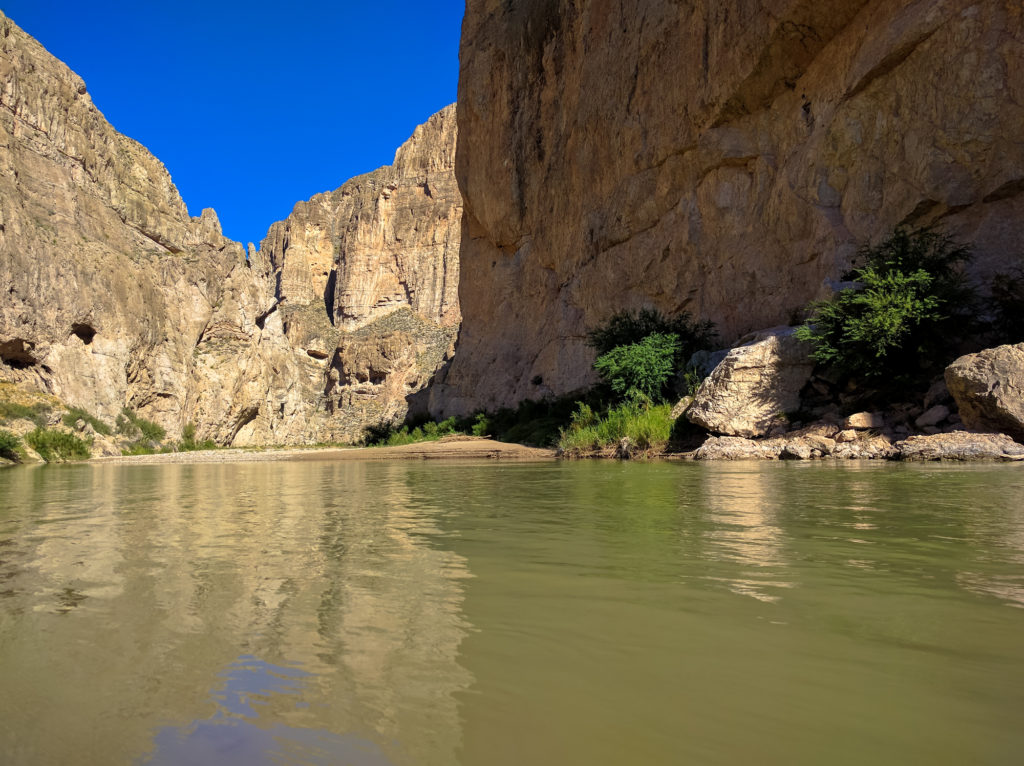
[563, 613]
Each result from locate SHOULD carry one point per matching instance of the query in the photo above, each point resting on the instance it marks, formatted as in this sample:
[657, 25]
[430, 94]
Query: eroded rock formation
[113, 296]
[722, 158]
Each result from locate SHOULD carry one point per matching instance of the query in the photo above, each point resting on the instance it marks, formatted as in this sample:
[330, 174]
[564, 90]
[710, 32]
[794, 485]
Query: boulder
[738, 448]
[754, 385]
[960, 445]
[932, 416]
[865, 420]
[989, 389]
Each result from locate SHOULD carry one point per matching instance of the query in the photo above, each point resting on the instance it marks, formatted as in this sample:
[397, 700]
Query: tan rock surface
[754, 386]
[724, 158]
[989, 389]
[960, 445]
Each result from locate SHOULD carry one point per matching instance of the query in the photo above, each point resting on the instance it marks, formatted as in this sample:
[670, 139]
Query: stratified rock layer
[723, 158]
[114, 296]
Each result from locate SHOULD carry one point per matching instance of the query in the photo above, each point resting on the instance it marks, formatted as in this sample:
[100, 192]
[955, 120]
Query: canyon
[723, 159]
[113, 296]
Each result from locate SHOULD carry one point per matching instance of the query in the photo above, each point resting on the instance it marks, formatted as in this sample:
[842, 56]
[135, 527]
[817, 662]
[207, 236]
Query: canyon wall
[722, 158]
[113, 296]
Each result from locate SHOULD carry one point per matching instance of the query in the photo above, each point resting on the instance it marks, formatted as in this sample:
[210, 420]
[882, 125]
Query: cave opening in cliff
[84, 332]
[17, 354]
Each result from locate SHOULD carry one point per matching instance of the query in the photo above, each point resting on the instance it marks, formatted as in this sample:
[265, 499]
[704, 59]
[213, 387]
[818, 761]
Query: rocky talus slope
[113, 296]
[724, 158]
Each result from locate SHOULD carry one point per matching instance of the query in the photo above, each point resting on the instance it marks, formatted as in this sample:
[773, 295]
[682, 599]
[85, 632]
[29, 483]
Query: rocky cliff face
[720, 158]
[114, 296]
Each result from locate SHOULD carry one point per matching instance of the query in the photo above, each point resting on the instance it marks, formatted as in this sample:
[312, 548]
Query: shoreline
[449, 448]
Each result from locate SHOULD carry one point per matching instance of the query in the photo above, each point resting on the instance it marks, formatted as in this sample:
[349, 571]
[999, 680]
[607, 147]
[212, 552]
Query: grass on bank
[37, 412]
[647, 426]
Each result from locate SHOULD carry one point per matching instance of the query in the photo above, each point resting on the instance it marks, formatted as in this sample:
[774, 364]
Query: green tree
[909, 306]
[644, 368]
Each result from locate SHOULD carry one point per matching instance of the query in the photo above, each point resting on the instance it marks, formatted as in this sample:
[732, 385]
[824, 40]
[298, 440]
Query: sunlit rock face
[114, 296]
[722, 158]
[375, 265]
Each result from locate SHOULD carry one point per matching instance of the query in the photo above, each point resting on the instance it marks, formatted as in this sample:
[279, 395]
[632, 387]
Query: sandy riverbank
[449, 448]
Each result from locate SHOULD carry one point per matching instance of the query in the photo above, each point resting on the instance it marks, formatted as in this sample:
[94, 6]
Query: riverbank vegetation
[642, 362]
[909, 307]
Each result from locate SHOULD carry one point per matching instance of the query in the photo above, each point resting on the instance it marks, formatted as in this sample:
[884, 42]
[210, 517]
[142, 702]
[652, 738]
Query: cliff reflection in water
[174, 570]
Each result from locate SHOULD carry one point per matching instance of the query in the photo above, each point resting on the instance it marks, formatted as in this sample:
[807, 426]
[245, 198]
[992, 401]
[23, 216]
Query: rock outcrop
[989, 389]
[722, 158]
[755, 386]
[114, 296]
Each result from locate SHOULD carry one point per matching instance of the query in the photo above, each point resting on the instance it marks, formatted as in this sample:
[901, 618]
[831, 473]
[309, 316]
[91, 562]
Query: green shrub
[645, 351]
[481, 425]
[36, 413]
[644, 367]
[646, 426]
[627, 328]
[188, 441]
[75, 414]
[10, 446]
[910, 306]
[130, 424]
[57, 445]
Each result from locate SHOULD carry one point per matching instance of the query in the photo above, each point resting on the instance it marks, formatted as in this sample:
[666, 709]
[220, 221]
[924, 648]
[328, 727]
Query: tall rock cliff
[113, 296]
[723, 158]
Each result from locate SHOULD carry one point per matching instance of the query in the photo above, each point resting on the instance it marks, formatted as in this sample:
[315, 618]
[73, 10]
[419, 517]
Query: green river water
[490, 614]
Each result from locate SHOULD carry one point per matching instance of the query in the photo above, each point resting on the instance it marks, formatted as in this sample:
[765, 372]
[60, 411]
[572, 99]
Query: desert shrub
[909, 306]
[1008, 307]
[57, 445]
[128, 423]
[644, 367]
[75, 414]
[645, 351]
[647, 426]
[36, 412]
[627, 328]
[10, 446]
[188, 441]
[481, 425]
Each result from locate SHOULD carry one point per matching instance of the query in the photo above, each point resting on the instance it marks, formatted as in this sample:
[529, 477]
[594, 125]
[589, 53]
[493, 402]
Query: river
[486, 614]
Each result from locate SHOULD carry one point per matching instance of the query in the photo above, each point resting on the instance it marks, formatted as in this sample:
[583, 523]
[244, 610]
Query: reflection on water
[744, 513]
[230, 737]
[167, 576]
[311, 613]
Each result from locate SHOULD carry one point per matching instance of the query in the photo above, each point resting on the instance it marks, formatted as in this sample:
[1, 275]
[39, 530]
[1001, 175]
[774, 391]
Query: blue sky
[255, 105]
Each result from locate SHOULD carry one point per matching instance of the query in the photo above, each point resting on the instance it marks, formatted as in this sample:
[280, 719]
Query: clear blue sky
[255, 105]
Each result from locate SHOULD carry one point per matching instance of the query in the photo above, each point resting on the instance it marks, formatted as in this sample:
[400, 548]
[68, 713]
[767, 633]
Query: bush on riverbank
[644, 352]
[10, 446]
[647, 426]
[909, 307]
[54, 446]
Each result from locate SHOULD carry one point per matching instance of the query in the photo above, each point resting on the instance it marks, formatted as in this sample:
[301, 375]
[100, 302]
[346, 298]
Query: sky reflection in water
[231, 737]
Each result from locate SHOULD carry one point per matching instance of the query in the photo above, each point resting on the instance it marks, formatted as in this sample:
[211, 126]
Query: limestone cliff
[113, 296]
[724, 158]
